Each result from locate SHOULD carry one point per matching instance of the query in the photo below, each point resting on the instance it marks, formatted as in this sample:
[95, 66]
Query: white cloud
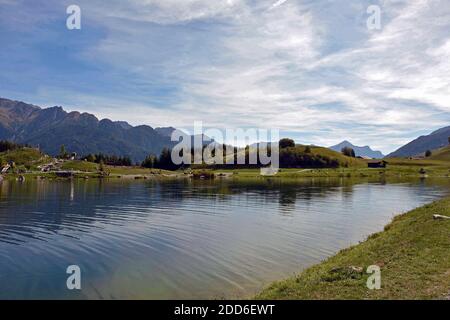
[168, 11]
[278, 3]
[267, 68]
[304, 67]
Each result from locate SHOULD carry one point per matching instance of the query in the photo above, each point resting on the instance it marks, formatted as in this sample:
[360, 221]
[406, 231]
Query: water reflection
[185, 239]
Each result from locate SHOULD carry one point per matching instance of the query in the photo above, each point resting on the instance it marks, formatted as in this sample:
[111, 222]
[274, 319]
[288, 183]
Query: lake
[185, 239]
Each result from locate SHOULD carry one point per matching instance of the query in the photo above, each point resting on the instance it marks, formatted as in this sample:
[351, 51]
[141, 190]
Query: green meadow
[413, 254]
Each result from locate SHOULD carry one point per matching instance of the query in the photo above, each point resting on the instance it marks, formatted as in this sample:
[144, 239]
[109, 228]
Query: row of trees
[164, 161]
[8, 145]
[290, 156]
[108, 159]
[100, 158]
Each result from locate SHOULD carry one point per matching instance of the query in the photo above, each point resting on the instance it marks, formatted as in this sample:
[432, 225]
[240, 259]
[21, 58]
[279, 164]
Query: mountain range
[79, 132]
[436, 139]
[365, 151]
[83, 133]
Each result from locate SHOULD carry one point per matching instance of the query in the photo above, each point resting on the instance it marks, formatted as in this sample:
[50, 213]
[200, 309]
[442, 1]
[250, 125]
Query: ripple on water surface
[181, 239]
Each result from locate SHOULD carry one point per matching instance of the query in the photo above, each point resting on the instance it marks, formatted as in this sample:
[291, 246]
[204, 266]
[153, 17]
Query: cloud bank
[309, 68]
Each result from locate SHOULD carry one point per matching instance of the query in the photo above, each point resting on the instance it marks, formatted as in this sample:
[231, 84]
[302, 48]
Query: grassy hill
[91, 167]
[302, 156]
[343, 160]
[316, 157]
[442, 154]
[78, 165]
[27, 157]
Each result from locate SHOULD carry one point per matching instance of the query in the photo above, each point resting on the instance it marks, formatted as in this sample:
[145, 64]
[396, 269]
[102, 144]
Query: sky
[309, 68]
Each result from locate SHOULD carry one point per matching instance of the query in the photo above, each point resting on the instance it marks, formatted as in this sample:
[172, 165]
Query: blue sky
[311, 69]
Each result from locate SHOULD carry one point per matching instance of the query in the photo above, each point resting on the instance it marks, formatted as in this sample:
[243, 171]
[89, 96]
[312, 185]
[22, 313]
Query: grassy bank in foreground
[413, 252]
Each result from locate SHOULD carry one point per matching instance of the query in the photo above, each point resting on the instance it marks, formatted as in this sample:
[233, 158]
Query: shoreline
[412, 252]
[238, 174]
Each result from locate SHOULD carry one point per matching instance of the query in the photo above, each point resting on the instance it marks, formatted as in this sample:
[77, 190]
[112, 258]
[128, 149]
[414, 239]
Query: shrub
[349, 152]
[286, 143]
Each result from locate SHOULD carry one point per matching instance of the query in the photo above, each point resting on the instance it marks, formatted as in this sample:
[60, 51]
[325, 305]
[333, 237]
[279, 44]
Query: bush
[349, 152]
[293, 158]
[286, 143]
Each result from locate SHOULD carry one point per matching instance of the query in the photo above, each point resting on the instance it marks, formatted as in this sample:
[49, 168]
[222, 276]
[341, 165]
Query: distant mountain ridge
[79, 132]
[165, 131]
[365, 151]
[435, 140]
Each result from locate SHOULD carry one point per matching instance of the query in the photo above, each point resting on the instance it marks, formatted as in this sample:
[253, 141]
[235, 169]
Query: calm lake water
[185, 239]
